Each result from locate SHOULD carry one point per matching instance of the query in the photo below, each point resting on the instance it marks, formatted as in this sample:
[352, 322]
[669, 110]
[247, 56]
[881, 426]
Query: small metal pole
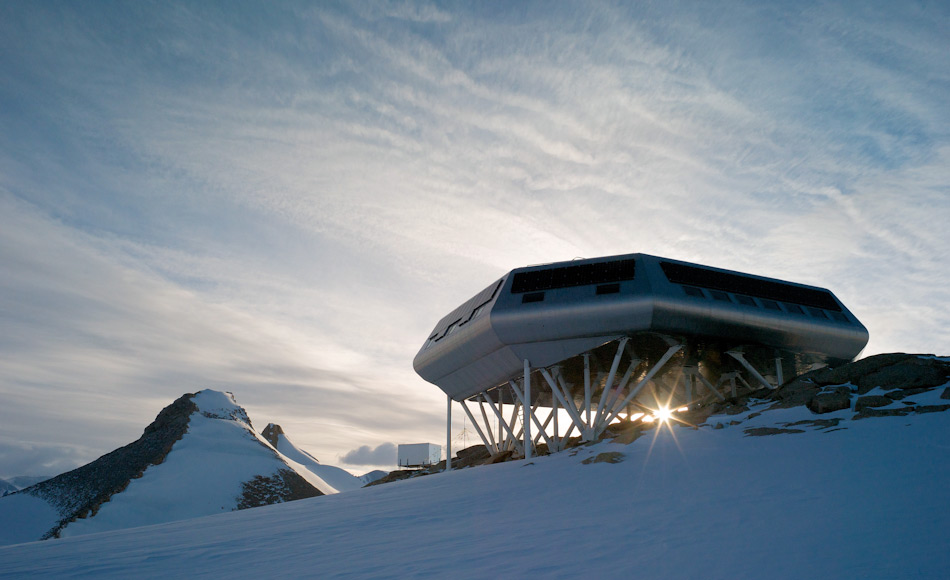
[778, 372]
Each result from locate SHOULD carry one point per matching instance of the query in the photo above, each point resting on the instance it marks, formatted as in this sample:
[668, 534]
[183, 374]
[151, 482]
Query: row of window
[570, 276]
[765, 303]
[602, 290]
[749, 286]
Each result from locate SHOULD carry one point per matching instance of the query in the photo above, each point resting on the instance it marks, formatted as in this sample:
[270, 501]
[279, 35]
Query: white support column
[571, 410]
[688, 384]
[778, 372]
[448, 433]
[527, 409]
[488, 429]
[755, 374]
[610, 377]
[557, 432]
[587, 387]
[636, 390]
[478, 429]
[623, 384]
[708, 385]
[541, 427]
[501, 421]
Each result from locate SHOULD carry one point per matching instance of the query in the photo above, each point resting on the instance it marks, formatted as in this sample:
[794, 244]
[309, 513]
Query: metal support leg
[571, 410]
[501, 421]
[636, 390]
[448, 433]
[778, 371]
[542, 428]
[488, 429]
[587, 387]
[527, 409]
[478, 429]
[755, 374]
[708, 385]
[610, 377]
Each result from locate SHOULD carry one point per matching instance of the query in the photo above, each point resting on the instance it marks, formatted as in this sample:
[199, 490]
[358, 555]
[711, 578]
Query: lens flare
[663, 414]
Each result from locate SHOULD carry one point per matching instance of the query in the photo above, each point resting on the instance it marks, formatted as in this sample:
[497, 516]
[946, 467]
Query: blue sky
[281, 199]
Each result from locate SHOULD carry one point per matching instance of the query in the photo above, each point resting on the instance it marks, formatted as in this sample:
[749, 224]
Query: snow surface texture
[862, 499]
[204, 473]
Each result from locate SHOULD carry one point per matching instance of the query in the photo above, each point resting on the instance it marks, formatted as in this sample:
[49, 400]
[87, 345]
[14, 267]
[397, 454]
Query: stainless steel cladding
[553, 312]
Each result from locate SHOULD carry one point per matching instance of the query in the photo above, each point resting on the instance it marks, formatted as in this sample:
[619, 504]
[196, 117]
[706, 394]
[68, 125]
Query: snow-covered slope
[836, 498]
[201, 456]
[339, 479]
[371, 476]
[6, 487]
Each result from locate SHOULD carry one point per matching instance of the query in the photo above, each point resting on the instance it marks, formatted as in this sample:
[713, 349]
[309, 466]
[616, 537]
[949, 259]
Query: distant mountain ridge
[201, 455]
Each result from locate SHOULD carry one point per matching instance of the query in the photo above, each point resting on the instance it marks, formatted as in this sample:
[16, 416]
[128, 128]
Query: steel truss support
[488, 445]
[501, 420]
[755, 374]
[448, 433]
[541, 427]
[694, 373]
[614, 412]
[527, 410]
[566, 401]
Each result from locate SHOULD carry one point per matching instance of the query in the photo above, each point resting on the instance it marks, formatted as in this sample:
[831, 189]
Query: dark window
[608, 289]
[532, 297]
[570, 276]
[693, 291]
[742, 284]
[721, 296]
[817, 313]
[770, 304]
[839, 316]
[794, 309]
[745, 300]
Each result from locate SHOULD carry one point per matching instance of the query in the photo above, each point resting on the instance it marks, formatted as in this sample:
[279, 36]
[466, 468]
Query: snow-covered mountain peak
[200, 456]
[220, 405]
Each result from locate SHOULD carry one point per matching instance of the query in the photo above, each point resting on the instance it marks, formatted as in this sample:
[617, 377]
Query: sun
[663, 414]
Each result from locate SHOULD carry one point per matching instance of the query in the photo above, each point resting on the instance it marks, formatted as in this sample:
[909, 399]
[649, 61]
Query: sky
[281, 199]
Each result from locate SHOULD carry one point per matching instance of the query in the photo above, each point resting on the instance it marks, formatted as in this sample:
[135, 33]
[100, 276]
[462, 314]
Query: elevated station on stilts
[595, 341]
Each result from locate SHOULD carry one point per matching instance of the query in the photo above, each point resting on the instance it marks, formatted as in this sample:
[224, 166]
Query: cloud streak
[281, 201]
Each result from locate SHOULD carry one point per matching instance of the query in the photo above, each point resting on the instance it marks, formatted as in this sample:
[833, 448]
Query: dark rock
[272, 434]
[736, 409]
[606, 457]
[851, 372]
[397, 475]
[910, 373]
[285, 485]
[871, 412]
[799, 391]
[945, 394]
[872, 401]
[931, 408]
[817, 423]
[760, 431]
[836, 400]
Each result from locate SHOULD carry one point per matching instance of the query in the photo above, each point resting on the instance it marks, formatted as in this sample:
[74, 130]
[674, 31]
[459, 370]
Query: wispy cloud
[282, 200]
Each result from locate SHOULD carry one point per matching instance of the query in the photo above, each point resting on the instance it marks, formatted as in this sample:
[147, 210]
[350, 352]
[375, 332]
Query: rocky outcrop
[272, 434]
[79, 493]
[902, 374]
[285, 485]
[829, 401]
